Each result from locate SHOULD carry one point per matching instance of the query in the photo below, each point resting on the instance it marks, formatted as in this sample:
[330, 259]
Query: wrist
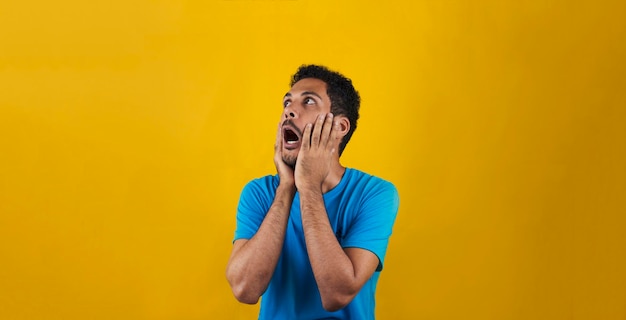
[286, 186]
[310, 189]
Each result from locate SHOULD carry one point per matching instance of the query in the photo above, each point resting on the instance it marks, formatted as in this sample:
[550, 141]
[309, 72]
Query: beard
[290, 160]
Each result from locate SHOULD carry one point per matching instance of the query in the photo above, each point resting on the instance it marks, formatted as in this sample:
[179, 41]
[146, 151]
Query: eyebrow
[304, 93]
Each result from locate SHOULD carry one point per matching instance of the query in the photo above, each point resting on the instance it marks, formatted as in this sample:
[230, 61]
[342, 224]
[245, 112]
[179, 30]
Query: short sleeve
[373, 223]
[254, 202]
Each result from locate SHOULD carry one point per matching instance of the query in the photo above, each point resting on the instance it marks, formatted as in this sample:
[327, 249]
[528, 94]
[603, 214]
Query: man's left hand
[317, 152]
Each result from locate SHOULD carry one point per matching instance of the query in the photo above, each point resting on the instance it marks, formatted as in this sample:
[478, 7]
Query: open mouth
[290, 137]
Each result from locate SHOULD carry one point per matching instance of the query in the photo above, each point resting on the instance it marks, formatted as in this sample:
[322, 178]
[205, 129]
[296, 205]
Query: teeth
[291, 142]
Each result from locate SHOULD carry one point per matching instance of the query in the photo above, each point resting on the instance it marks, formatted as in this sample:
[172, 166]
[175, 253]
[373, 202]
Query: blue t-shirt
[361, 210]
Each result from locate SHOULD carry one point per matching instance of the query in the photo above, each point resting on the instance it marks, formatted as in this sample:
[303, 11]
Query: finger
[306, 137]
[317, 130]
[326, 130]
[279, 138]
[333, 143]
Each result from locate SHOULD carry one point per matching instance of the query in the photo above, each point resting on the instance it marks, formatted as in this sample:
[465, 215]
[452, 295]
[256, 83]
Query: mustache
[292, 125]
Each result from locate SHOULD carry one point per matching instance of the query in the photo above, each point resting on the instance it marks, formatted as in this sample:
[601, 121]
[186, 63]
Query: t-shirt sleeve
[254, 202]
[374, 221]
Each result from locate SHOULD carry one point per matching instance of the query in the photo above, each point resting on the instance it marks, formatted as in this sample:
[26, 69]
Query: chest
[342, 212]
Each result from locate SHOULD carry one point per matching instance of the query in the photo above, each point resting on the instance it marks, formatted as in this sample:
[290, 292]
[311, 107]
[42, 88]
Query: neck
[334, 177]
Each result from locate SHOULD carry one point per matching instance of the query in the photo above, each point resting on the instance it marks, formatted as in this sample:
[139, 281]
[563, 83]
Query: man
[312, 239]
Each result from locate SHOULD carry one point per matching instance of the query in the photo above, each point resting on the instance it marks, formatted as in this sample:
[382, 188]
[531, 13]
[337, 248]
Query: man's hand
[316, 153]
[285, 172]
[253, 261]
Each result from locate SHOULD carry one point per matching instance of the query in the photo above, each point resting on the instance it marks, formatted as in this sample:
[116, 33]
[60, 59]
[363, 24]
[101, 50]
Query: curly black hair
[344, 99]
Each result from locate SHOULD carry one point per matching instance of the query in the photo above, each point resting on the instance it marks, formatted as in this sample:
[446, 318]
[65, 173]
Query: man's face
[306, 100]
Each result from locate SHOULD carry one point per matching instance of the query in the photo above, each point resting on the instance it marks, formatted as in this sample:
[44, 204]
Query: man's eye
[286, 103]
[309, 101]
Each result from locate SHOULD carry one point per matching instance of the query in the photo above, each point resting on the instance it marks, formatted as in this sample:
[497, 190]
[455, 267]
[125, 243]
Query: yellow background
[128, 128]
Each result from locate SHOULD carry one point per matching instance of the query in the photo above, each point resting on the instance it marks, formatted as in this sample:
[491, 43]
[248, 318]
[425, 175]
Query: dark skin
[340, 273]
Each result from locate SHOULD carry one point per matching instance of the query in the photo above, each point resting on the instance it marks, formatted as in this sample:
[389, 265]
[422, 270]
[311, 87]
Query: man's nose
[290, 113]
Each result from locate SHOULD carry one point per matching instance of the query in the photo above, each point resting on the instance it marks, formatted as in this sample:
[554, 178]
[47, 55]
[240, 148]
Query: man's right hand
[285, 172]
[253, 261]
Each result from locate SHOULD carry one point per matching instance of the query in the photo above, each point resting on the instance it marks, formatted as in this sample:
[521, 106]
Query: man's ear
[344, 126]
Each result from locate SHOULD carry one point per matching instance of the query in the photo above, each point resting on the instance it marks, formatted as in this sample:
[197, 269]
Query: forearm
[252, 264]
[334, 271]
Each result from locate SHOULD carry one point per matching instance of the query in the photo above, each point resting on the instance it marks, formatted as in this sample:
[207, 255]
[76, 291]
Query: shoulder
[261, 186]
[258, 194]
[268, 182]
[369, 183]
[368, 190]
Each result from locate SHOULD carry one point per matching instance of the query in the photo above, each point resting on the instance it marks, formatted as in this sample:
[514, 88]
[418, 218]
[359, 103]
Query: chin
[290, 160]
